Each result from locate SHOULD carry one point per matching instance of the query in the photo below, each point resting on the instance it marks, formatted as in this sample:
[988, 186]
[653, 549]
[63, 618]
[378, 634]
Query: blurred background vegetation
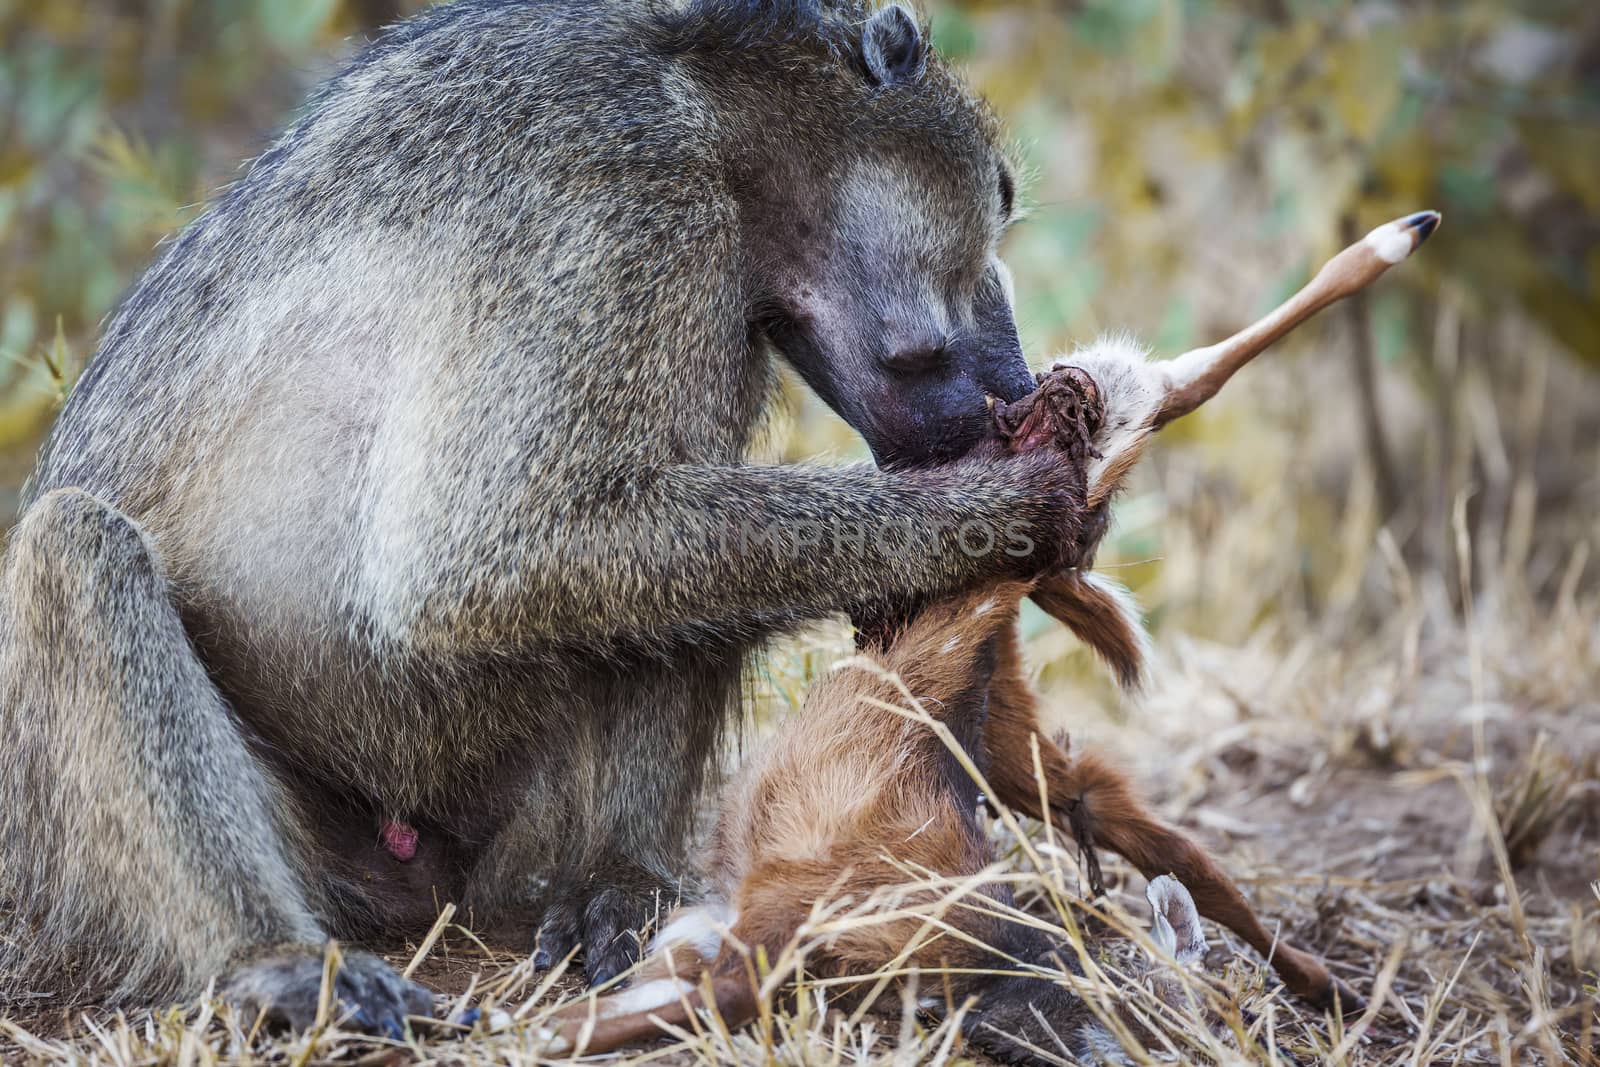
[1191, 161]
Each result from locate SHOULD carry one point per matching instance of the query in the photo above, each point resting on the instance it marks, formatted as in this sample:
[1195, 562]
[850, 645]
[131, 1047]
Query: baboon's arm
[729, 550]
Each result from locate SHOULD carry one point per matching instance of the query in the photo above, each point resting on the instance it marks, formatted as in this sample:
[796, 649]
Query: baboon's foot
[284, 990]
[606, 917]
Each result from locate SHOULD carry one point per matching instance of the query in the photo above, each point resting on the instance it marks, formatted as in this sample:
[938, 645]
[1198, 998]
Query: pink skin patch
[399, 839]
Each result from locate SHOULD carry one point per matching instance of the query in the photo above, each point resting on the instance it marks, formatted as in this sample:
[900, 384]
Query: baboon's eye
[1008, 194]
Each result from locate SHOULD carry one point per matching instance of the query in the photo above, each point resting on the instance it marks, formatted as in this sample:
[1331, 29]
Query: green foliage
[1183, 123]
[116, 121]
[1193, 157]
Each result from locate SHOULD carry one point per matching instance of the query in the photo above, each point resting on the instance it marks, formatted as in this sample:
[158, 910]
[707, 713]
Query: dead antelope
[849, 796]
[852, 792]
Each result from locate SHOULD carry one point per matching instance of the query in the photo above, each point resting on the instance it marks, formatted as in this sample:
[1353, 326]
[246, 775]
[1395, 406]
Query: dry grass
[1386, 727]
[1396, 750]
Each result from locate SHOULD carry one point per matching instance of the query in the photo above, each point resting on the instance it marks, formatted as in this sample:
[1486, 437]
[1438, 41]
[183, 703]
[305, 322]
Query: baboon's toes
[558, 934]
[611, 925]
[367, 994]
[604, 916]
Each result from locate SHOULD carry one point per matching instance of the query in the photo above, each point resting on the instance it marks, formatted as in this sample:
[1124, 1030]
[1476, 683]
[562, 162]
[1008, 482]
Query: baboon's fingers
[611, 923]
[602, 918]
[286, 990]
[558, 934]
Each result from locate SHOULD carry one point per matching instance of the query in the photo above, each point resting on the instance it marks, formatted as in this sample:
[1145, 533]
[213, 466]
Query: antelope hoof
[1338, 998]
[1324, 992]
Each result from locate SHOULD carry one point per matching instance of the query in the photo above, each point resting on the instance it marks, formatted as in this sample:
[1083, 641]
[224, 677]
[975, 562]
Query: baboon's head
[873, 215]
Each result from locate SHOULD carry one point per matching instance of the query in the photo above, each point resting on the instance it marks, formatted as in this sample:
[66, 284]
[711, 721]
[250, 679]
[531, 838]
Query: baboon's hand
[1057, 423]
[1096, 521]
[1059, 520]
[604, 915]
[285, 989]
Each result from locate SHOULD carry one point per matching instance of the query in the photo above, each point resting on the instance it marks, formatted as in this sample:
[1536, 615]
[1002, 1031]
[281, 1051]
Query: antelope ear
[893, 46]
[1175, 926]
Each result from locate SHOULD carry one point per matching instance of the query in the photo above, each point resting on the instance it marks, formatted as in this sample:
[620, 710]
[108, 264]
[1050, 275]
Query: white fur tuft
[1132, 387]
[700, 928]
[1391, 241]
[646, 996]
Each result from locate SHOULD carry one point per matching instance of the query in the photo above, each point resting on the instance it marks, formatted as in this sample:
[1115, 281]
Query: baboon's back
[329, 393]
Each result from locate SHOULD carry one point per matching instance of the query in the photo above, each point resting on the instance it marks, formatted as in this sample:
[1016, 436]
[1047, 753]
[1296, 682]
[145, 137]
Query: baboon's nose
[1012, 381]
[914, 347]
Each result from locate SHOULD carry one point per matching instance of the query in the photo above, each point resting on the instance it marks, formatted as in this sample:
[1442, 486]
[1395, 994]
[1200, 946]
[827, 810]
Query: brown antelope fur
[1094, 398]
[1099, 804]
[1125, 399]
[846, 798]
[1137, 397]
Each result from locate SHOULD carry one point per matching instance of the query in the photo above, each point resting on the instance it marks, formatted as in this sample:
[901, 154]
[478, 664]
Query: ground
[1428, 825]
[1378, 691]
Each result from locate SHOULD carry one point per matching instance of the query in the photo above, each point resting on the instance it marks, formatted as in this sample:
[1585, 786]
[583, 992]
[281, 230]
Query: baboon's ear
[893, 46]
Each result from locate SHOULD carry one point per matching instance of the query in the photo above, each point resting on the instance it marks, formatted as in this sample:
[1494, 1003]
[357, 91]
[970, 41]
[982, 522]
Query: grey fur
[414, 461]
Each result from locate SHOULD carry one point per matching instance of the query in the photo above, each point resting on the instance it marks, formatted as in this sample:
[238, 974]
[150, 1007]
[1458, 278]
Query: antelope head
[1140, 396]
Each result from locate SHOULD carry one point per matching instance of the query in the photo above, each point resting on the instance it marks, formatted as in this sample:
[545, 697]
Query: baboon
[401, 542]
